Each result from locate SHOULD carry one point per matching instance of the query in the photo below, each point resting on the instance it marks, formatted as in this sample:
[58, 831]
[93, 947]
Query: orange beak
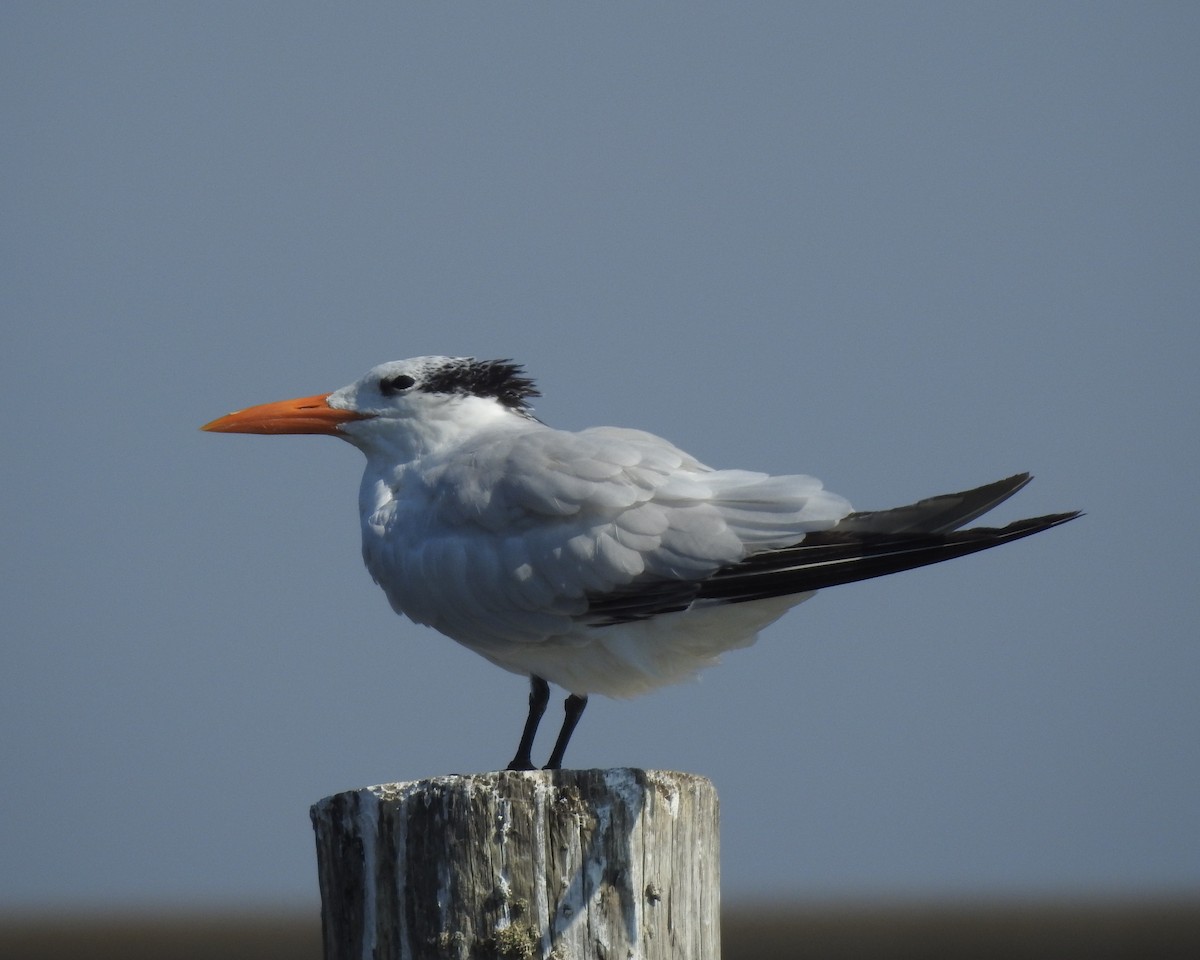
[302, 415]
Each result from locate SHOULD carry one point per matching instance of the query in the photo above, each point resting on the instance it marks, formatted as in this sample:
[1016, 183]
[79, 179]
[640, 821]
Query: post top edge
[609, 778]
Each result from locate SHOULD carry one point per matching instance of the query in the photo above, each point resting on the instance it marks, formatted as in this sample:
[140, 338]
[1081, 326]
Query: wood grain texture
[561, 864]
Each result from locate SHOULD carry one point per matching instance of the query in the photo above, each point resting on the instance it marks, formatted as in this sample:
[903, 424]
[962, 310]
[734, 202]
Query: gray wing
[861, 546]
[514, 536]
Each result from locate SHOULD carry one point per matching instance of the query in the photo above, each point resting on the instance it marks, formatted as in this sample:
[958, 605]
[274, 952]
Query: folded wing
[863, 545]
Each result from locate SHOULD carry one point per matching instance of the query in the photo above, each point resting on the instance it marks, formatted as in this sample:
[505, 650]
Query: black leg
[539, 696]
[573, 710]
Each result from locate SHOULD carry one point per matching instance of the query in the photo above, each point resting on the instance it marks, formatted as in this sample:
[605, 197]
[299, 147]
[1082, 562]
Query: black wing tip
[1021, 528]
[940, 513]
[1003, 489]
[833, 557]
[1045, 523]
[1018, 529]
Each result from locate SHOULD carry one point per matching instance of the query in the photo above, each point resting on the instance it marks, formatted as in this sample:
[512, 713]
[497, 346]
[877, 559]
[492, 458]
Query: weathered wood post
[557, 865]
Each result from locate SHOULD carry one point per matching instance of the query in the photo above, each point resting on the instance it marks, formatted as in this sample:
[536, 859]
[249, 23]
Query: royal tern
[605, 560]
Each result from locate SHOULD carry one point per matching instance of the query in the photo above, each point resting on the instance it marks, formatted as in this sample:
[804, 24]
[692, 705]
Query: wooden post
[555, 865]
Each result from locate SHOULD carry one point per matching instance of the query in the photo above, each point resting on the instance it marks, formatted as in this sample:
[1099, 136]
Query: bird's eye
[394, 385]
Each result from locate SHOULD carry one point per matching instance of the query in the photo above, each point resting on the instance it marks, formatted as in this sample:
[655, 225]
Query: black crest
[501, 379]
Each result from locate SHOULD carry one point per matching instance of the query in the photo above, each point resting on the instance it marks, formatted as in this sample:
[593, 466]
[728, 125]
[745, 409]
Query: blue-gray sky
[908, 248]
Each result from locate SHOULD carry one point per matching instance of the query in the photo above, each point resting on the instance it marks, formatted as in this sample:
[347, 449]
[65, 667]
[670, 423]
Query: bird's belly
[629, 659]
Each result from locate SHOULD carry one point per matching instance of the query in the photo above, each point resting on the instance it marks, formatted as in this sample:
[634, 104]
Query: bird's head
[397, 401]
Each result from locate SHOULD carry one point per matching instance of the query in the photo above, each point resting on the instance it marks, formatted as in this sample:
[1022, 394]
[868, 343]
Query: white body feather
[499, 531]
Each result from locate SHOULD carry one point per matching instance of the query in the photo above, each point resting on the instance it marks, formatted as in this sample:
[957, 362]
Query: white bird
[606, 560]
